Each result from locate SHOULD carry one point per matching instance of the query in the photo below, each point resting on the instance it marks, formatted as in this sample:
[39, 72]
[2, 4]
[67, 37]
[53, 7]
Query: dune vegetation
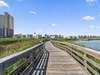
[10, 46]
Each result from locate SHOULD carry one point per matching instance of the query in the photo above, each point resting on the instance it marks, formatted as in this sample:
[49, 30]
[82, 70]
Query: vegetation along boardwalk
[55, 61]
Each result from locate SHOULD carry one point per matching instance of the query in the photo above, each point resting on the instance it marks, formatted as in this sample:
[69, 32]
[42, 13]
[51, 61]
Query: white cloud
[98, 15]
[98, 27]
[89, 1]
[3, 4]
[54, 25]
[19, 0]
[40, 30]
[33, 12]
[88, 18]
[92, 26]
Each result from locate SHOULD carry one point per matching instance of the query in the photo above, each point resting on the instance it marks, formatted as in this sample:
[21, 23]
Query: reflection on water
[95, 44]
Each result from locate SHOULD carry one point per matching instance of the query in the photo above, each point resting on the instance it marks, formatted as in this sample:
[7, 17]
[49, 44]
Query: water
[95, 44]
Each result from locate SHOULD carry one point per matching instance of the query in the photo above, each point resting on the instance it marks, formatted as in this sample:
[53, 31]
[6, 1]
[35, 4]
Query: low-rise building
[18, 35]
[23, 36]
[53, 36]
[29, 35]
[38, 36]
[47, 36]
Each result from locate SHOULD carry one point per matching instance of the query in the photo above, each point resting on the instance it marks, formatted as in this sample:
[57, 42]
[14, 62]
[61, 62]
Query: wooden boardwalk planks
[57, 62]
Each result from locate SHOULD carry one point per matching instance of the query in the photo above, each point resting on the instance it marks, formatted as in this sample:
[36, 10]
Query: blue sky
[66, 17]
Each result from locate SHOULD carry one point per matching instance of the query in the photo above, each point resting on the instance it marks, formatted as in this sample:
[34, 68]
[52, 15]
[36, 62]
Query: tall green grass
[90, 57]
[16, 46]
[10, 46]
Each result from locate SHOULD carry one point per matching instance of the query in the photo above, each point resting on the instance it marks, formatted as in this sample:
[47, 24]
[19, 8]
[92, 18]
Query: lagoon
[94, 44]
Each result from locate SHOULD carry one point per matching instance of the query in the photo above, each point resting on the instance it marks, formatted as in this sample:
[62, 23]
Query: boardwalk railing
[88, 58]
[29, 58]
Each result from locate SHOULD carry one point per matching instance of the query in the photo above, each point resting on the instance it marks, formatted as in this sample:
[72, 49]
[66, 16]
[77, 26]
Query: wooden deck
[57, 62]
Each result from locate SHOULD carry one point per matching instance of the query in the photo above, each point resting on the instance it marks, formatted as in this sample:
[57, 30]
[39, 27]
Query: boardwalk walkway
[57, 62]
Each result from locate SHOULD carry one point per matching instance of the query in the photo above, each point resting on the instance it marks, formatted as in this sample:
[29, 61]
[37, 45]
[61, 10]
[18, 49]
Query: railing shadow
[41, 66]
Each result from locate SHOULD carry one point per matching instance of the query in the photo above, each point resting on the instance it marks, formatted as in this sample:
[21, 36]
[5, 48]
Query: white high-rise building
[6, 25]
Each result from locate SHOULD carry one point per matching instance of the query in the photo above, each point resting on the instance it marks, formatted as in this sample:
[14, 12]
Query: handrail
[88, 58]
[32, 55]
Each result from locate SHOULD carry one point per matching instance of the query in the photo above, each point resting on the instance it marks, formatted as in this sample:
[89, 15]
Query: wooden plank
[93, 53]
[56, 66]
[79, 54]
[93, 63]
[10, 60]
[86, 52]
[59, 63]
[13, 72]
[76, 57]
[92, 70]
[1, 68]
[30, 66]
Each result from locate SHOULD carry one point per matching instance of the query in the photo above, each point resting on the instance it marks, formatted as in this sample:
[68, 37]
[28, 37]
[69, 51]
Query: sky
[65, 17]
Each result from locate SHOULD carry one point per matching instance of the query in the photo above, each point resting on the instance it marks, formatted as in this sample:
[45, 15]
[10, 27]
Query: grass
[10, 46]
[10, 40]
[90, 57]
[14, 47]
[70, 40]
[9, 69]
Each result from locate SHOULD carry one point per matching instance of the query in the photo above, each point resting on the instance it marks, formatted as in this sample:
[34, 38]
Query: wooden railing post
[60, 45]
[85, 61]
[81, 55]
[12, 59]
[1, 72]
[1, 69]
[65, 47]
[32, 56]
[54, 43]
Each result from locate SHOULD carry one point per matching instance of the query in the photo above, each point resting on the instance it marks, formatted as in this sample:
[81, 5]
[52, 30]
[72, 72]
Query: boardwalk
[57, 62]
